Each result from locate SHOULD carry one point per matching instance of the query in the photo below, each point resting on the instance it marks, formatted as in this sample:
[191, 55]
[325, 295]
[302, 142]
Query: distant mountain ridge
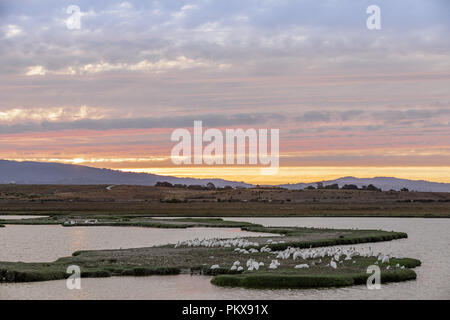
[28, 172]
[384, 183]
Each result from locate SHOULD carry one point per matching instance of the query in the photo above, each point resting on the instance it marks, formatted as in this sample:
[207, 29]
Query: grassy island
[216, 258]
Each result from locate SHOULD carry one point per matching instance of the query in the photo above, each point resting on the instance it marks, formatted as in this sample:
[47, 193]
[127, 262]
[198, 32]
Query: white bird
[215, 266]
[301, 266]
[227, 243]
[333, 264]
[233, 267]
[274, 264]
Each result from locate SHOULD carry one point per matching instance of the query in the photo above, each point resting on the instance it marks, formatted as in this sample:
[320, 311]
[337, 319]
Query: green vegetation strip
[30, 273]
[280, 281]
[129, 221]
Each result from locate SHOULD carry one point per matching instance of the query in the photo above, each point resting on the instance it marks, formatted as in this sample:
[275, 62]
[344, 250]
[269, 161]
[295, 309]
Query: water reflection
[18, 217]
[42, 243]
[77, 239]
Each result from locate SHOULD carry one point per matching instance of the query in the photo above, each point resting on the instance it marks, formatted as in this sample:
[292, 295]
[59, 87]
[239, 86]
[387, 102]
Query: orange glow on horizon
[301, 174]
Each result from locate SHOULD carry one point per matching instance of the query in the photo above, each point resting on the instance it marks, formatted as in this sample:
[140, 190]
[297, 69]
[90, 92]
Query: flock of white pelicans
[337, 254]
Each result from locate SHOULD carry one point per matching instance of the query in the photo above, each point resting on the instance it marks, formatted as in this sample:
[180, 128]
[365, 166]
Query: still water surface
[42, 243]
[11, 217]
[429, 241]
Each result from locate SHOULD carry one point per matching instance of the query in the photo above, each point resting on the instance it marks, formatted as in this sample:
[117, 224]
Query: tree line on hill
[211, 186]
[335, 186]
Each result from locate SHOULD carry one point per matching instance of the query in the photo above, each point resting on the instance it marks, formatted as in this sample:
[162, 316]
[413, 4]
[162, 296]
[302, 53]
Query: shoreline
[160, 201]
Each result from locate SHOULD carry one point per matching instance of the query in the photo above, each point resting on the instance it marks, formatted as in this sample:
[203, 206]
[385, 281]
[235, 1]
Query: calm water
[9, 217]
[44, 243]
[429, 240]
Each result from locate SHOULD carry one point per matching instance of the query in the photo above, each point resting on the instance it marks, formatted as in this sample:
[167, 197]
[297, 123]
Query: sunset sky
[347, 100]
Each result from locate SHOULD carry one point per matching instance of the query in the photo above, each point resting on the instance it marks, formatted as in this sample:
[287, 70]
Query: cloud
[20, 115]
[315, 116]
[367, 121]
[180, 63]
[11, 31]
[265, 36]
[309, 67]
[411, 114]
[183, 12]
[16, 121]
[36, 71]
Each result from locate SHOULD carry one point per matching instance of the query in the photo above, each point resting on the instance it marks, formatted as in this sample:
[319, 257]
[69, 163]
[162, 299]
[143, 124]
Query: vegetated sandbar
[187, 258]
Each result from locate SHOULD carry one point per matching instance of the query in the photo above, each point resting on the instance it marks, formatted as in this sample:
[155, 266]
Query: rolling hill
[384, 183]
[57, 173]
[28, 172]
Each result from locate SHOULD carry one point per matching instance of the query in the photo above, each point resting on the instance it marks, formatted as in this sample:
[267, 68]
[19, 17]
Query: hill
[384, 183]
[28, 172]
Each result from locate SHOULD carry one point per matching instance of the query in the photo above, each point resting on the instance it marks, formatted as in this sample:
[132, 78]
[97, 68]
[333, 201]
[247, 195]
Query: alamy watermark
[73, 22]
[374, 280]
[374, 20]
[74, 280]
[228, 148]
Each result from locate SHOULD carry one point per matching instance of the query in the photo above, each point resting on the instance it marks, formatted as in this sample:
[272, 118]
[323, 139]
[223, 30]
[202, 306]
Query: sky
[347, 100]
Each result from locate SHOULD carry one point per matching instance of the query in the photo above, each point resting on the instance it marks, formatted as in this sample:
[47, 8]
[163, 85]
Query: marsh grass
[282, 281]
[129, 221]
